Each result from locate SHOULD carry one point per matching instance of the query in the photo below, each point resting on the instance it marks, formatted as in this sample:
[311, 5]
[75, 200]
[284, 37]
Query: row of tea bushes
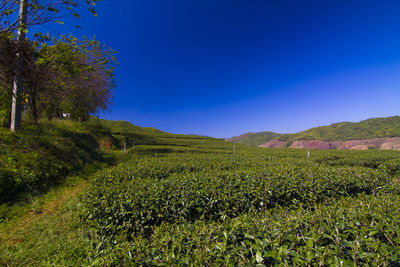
[348, 232]
[180, 206]
[142, 193]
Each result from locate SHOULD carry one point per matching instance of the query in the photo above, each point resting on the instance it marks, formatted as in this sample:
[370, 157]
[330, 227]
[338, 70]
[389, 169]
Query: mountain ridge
[385, 127]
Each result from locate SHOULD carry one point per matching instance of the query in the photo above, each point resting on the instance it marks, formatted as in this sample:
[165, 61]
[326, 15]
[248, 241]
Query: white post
[17, 86]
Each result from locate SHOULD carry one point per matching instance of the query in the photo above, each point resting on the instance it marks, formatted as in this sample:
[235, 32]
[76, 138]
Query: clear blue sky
[225, 67]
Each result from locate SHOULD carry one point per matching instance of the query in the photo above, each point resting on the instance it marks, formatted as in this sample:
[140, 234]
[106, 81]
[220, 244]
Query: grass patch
[48, 234]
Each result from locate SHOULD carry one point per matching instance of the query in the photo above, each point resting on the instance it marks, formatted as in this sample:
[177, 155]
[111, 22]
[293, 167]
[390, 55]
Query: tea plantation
[191, 200]
[187, 200]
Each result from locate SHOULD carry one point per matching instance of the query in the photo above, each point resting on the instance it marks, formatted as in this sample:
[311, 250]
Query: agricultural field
[196, 202]
[187, 200]
[77, 189]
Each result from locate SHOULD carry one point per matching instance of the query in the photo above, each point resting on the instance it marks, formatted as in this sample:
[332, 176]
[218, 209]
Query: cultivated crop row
[256, 207]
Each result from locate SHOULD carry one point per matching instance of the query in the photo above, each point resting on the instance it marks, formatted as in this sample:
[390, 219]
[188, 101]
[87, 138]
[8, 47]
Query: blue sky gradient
[225, 67]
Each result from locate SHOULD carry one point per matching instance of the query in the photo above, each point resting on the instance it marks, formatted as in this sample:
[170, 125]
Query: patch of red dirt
[314, 144]
[274, 144]
[392, 143]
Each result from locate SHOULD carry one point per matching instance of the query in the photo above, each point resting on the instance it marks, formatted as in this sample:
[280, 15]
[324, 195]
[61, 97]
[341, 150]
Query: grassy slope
[44, 228]
[371, 128]
[38, 158]
[49, 233]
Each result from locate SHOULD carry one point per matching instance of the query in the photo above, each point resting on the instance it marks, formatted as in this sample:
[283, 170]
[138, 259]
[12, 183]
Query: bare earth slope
[365, 144]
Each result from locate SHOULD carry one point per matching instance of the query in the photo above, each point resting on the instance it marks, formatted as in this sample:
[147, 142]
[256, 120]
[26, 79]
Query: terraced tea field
[199, 201]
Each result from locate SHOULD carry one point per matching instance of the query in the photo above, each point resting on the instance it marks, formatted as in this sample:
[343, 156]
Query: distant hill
[126, 132]
[343, 131]
[254, 139]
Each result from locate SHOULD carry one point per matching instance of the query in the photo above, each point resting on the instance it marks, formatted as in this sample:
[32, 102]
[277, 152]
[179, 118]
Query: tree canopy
[60, 75]
[40, 12]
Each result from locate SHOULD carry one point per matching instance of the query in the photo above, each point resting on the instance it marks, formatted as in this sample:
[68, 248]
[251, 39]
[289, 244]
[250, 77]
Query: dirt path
[13, 234]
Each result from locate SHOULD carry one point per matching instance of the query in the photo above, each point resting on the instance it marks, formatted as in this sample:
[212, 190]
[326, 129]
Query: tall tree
[33, 13]
[70, 76]
[17, 86]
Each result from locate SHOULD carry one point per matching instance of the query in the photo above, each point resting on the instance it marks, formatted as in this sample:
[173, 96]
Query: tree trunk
[17, 86]
[35, 114]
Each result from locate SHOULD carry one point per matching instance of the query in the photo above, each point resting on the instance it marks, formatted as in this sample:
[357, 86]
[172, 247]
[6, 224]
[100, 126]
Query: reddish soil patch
[376, 143]
[274, 144]
[392, 143]
[314, 144]
[360, 147]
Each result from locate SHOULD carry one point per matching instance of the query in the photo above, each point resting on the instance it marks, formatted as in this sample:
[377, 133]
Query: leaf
[8, 12]
[53, 9]
[259, 257]
[247, 236]
[310, 243]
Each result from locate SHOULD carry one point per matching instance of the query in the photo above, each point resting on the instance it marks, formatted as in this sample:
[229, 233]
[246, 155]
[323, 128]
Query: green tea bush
[139, 194]
[195, 204]
[346, 232]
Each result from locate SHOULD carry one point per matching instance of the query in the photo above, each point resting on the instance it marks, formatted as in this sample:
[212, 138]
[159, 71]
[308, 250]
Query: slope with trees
[343, 131]
[49, 76]
[254, 139]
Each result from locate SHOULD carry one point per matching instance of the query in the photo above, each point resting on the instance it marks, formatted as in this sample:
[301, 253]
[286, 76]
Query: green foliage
[190, 200]
[371, 128]
[196, 187]
[51, 240]
[71, 76]
[39, 157]
[193, 205]
[5, 108]
[254, 139]
[350, 231]
[40, 12]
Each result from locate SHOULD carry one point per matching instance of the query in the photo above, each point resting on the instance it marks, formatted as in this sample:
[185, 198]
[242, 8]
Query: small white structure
[66, 115]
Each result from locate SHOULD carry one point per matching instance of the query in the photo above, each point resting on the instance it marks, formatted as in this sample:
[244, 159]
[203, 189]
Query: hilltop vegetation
[254, 139]
[367, 129]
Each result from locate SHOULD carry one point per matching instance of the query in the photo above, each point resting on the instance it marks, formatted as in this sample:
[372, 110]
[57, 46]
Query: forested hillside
[254, 139]
[367, 129]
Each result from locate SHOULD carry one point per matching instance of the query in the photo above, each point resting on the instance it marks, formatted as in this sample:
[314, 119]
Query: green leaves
[201, 207]
[53, 9]
[42, 12]
[7, 12]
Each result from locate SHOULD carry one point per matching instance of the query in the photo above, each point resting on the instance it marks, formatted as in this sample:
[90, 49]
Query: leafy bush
[188, 206]
[180, 191]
